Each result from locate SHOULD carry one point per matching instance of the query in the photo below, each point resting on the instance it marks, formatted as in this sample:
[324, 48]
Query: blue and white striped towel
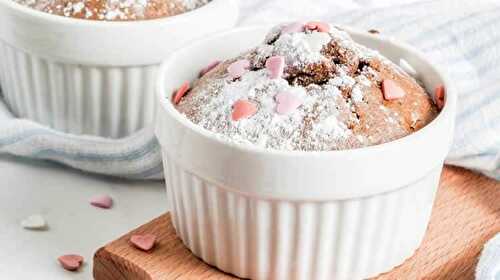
[462, 36]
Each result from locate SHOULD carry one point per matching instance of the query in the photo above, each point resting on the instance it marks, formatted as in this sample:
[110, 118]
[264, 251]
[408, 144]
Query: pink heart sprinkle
[391, 90]
[179, 94]
[144, 242]
[209, 68]
[238, 68]
[243, 109]
[439, 94]
[287, 103]
[104, 201]
[275, 65]
[294, 27]
[71, 262]
[318, 26]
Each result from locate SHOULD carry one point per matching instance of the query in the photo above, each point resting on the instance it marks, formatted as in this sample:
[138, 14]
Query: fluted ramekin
[93, 77]
[264, 214]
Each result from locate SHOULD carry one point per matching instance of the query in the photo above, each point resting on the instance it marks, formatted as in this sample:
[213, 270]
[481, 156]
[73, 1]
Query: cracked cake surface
[330, 93]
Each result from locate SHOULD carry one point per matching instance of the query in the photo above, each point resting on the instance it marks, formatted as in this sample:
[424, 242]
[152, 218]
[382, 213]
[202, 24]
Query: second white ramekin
[93, 77]
[264, 214]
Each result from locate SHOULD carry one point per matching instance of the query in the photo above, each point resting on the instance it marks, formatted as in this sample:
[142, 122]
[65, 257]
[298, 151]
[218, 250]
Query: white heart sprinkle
[34, 222]
[407, 67]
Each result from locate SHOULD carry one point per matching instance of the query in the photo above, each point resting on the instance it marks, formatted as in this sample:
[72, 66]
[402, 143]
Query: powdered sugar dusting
[297, 49]
[113, 10]
[266, 127]
[193, 4]
[334, 98]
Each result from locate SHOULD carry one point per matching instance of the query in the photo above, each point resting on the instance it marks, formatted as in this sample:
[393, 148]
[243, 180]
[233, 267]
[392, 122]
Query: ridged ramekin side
[80, 99]
[258, 238]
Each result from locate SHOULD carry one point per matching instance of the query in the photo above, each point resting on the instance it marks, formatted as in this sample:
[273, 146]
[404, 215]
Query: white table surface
[61, 195]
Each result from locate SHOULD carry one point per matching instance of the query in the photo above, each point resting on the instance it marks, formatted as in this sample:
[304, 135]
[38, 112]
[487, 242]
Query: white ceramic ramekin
[298, 215]
[93, 77]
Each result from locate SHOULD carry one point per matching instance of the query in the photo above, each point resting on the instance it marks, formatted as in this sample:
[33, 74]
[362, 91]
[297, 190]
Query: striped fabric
[136, 157]
[462, 36]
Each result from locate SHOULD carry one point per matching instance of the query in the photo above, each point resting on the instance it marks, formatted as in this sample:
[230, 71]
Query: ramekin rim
[107, 23]
[167, 105]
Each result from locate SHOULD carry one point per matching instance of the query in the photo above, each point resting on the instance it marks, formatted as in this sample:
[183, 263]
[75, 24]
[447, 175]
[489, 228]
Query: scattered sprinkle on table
[34, 222]
[103, 201]
[71, 262]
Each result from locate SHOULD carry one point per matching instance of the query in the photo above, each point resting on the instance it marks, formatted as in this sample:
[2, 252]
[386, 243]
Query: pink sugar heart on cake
[238, 68]
[286, 103]
[181, 92]
[275, 65]
[392, 90]
[243, 109]
[317, 26]
[439, 95]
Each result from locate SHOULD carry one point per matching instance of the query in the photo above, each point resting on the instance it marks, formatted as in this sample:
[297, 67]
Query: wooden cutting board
[466, 214]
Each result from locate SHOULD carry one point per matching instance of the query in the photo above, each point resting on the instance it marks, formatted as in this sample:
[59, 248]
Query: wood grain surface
[466, 214]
